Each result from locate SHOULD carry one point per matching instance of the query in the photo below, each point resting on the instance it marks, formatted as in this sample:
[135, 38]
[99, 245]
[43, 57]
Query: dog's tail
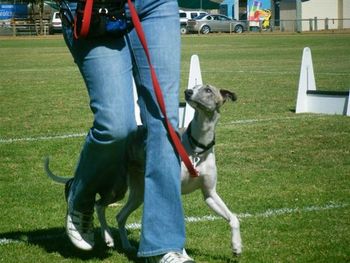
[56, 178]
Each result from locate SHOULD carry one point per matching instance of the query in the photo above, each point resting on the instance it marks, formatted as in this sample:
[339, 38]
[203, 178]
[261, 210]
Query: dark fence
[24, 27]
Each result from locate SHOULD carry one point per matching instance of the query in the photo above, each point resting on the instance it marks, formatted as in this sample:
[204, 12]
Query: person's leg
[105, 65]
[163, 220]
[106, 68]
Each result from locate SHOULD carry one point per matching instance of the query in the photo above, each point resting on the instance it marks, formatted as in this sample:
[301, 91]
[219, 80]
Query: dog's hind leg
[136, 186]
[134, 201]
[105, 230]
[111, 193]
[214, 201]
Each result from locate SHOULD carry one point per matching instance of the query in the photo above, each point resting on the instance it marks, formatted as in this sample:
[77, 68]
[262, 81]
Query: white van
[55, 23]
[185, 16]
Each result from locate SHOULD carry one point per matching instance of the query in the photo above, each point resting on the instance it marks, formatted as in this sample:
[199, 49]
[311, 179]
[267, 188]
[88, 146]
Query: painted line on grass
[286, 72]
[43, 138]
[266, 120]
[267, 213]
[261, 120]
[77, 135]
[193, 219]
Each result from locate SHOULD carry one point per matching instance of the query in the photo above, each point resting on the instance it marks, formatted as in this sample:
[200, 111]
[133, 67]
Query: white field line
[42, 138]
[272, 72]
[248, 121]
[267, 213]
[192, 219]
[287, 72]
[76, 135]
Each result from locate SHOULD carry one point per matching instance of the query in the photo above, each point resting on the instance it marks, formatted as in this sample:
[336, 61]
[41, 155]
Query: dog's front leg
[105, 230]
[214, 201]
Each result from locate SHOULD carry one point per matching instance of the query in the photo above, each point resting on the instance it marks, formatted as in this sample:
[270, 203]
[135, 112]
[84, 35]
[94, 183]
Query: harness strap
[173, 135]
[196, 143]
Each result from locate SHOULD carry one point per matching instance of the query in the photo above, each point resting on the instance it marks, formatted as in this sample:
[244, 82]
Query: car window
[193, 15]
[57, 16]
[209, 18]
[182, 15]
[201, 16]
[223, 18]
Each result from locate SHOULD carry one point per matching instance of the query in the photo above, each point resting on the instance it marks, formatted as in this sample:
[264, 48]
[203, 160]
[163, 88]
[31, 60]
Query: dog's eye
[208, 90]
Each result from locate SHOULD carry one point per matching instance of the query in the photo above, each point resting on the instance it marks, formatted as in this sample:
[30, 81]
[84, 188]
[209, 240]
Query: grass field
[287, 176]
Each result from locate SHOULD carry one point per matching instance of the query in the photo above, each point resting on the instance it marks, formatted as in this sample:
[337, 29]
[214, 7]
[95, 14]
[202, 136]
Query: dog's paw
[237, 250]
[108, 239]
[110, 243]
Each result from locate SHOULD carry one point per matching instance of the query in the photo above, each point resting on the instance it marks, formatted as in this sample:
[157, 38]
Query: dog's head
[207, 98]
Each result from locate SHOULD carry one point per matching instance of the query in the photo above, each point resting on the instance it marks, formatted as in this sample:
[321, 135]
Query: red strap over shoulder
[175, 139]
[85, 23]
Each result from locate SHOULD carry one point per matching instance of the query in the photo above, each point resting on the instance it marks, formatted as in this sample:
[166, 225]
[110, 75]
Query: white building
[314, 14]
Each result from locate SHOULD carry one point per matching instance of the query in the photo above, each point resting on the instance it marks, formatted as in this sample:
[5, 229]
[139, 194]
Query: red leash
[138, 27]
[85, 23]
[175, 139]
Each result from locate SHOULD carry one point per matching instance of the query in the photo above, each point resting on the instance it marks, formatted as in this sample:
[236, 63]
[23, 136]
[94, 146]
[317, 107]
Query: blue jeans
[108, 66]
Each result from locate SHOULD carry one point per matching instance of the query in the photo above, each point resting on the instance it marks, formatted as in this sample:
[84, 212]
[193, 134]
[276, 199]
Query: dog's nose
[188, 93]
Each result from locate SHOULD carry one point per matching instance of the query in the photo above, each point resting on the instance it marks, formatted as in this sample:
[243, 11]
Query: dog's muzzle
[188, 94]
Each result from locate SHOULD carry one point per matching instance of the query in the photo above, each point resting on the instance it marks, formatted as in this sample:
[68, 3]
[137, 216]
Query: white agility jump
[318, 101]
[186, 112]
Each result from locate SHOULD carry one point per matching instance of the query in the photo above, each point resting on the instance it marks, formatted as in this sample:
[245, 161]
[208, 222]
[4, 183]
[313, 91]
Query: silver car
[215, 23]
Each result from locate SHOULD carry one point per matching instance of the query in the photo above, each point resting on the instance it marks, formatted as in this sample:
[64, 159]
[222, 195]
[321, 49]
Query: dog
[198, 140]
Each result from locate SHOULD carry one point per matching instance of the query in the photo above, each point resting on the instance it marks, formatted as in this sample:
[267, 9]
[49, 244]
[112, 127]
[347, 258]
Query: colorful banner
[259, 11]
[13, 11]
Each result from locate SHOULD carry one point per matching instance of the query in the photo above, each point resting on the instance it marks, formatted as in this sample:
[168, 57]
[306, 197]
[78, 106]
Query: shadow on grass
[55, 240]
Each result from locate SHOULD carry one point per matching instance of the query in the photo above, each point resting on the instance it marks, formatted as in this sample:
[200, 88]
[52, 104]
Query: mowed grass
[286, 175]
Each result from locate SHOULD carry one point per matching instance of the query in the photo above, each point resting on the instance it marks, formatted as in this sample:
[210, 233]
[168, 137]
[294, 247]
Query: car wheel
[183, 30]
[238, 29]
[205, 29]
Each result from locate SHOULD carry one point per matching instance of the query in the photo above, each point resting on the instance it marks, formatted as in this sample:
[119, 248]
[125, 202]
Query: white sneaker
[80, 229]
[171, 257]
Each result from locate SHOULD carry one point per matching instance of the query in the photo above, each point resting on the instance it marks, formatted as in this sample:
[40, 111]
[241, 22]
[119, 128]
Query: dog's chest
[205, 165]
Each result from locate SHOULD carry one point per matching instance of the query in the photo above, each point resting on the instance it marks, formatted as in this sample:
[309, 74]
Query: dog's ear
[228, 95]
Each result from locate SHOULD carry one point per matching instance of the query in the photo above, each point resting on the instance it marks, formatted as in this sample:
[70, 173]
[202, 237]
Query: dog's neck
[202, 130]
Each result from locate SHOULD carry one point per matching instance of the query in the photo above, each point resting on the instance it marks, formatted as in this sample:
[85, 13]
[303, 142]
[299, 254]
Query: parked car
[55, 23]
[187, 15]
[215, 23]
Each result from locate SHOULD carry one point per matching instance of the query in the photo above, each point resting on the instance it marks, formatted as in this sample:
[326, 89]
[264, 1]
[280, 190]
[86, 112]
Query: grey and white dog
[198, 140]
